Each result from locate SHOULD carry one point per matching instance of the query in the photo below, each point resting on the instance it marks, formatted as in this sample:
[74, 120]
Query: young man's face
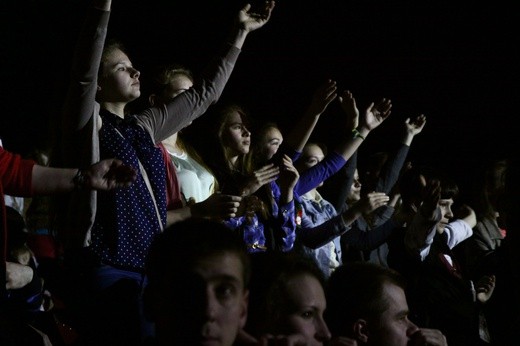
[210, 306]
[394, 328]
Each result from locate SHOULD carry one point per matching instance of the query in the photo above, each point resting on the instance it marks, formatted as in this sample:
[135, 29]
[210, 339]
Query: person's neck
[171, 144]
[117, 108]
[233, 162]
[312, 194]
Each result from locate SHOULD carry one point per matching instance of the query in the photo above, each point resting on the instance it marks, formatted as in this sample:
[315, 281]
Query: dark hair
[355, 290]
[172, 255]
[269, 301]
[490, 188]
[258, 135]
[187, 241]
[411, 183]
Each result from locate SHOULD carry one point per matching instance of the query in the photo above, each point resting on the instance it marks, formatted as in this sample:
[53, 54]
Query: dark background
[456, 62]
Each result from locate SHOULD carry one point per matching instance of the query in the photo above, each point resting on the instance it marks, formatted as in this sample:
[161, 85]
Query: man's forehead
[220, 265]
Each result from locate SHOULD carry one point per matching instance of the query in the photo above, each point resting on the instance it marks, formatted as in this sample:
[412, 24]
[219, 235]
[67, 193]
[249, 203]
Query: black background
[455, 62]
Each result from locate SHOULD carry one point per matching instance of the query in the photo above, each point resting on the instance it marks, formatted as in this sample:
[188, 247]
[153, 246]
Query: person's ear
[244, 307]
[98, 87]
[152, 99]
[361, 330]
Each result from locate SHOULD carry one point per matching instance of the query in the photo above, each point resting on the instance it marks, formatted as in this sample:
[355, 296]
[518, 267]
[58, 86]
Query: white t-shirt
[195, 180]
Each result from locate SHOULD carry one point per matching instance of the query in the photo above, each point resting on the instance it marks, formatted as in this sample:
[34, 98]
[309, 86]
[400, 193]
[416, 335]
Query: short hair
[411, 185]
[187, 241]
[354, 291]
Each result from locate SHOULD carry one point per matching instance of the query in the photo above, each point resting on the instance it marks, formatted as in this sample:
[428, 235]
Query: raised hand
[415, 126]
[431, 198]
[261, 176]
[288, 174]
[323, 96]
[375, 114]
[372, 201]
[250, 20]
[485, 287]
[217, 206]
[348, 104]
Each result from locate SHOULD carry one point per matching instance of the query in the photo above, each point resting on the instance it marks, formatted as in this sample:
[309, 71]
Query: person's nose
[411, 329]
[322, 331]
[134, 73]
[449, 213]
[245, 132]
[211, 306]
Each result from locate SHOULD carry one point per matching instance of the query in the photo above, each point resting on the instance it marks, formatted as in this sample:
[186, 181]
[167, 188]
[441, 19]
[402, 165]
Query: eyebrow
[227, 278]
[312, 157]
[402, 313]
[125, 63]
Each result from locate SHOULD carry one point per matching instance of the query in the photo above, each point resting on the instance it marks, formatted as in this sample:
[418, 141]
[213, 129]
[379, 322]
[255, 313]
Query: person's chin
[209, 341]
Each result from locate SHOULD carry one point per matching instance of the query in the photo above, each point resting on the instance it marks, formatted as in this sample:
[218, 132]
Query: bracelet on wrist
[357, 134]
[80, 179]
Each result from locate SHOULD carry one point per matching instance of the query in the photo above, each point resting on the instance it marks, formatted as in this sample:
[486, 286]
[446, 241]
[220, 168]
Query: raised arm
[374, 116]
[323, 96]
[81, 93]
[421, 230]
[248, 21]
[390, 171]
[163, 121]
[356, 134]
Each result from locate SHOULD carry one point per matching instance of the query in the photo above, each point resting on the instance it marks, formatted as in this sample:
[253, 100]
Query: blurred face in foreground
[393, 328]
[211, 306]
[308, 304]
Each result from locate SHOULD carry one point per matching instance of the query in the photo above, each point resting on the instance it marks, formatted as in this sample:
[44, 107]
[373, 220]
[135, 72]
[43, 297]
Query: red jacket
[15, 180]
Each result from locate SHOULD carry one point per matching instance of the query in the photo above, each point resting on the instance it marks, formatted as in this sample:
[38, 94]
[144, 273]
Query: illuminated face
[236, 138]
[394, 328]
[178, 84]
[354, 194]
[270, 143]
[119, 80]
[446, 212]
[210, 307]
[311, 156]
[306, 317]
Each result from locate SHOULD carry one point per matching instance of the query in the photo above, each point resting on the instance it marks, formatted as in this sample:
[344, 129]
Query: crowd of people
[135, 234]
